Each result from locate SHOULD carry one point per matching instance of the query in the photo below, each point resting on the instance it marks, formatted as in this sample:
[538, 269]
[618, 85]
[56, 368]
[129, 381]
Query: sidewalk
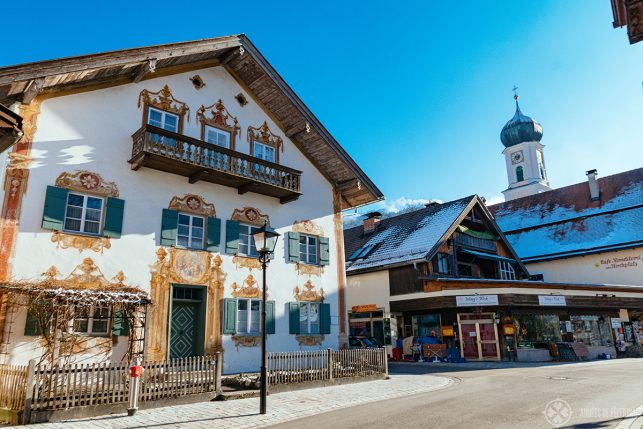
[282, 407]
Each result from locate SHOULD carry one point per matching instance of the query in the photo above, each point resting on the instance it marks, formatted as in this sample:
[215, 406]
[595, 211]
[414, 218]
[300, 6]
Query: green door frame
[200, 332]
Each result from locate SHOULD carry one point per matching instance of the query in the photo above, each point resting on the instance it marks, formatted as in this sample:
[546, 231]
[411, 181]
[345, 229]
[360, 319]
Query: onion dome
[520, 128]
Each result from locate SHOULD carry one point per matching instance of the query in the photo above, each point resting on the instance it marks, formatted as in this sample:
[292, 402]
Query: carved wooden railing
[479, 243]
[209, 157]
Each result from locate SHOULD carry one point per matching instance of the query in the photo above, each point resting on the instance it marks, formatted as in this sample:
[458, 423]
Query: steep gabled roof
[566, 222]
[240, 58]
[410, 237]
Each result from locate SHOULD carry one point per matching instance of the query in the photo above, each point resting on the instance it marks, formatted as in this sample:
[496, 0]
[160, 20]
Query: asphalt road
[594, 395]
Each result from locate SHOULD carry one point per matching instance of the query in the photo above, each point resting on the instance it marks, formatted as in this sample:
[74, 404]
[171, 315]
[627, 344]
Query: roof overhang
[10, 128]
[22, 83]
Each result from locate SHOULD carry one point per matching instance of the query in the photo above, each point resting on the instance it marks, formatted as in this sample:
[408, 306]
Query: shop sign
[447, 331]
[552, 300]
[476, 300]
[616, 322]
[583, 318]
[364, 308]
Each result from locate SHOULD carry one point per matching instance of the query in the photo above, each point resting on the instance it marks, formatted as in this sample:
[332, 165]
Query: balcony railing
[478, 243]
[198, 160]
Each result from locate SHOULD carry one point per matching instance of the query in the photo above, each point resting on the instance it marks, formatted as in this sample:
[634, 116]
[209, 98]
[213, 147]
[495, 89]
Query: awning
[488, 256]
[485, 235]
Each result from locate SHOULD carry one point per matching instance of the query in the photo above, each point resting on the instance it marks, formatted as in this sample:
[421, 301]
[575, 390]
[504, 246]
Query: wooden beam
[146, 68]
[245, 188]
[289, 198]
[196, 176]
[32, 89]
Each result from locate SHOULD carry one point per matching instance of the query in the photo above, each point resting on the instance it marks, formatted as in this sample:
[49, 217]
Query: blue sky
[416, 92]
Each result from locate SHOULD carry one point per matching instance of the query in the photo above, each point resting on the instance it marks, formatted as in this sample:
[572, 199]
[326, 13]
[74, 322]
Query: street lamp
[265, 240]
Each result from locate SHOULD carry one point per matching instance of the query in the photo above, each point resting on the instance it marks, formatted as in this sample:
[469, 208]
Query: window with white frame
[162, 119]
[84, 213]
[247, 241]
[309, 321]
[217, 136]
[506, 270]
[91, 320]
[190, 231]
[308, 249]
[263, 151]
[248, 316]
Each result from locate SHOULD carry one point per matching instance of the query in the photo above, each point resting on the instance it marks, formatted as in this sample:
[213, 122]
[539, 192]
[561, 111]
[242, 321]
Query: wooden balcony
[197, 160]
[474, 242]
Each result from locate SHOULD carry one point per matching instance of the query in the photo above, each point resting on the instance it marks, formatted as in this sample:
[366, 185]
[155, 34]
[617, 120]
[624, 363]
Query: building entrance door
[478, 336]
[186, 322]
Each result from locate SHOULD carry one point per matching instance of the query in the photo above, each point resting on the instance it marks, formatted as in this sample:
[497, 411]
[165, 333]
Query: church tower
[523, 156]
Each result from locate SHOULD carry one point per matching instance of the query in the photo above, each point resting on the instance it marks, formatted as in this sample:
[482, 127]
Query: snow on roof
[405, 238]
[566, 221]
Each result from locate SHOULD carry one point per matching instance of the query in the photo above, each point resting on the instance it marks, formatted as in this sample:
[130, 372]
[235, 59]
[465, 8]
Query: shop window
[248, 316]
[84, 213]
[309, 318]
[591, 330]
[506, 270]
[91, 320]
[424, 324]
[537, 330]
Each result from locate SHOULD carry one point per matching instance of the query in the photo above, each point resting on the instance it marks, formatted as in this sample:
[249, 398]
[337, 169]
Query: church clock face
[517, 157]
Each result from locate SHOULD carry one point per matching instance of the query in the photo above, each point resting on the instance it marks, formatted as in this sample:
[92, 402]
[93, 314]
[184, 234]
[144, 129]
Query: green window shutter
[270, 317]
[53, 216]
[232, 237]
[120, 328]
[293, 246]
[214, 234]
[31, 326]
[324, 318]
[324, 251]
[293, 317]
[229, 323]
[169, 225]
[114, 218]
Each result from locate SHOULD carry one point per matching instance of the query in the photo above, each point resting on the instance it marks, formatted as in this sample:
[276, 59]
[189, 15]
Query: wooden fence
[13, 381]
[297, 367]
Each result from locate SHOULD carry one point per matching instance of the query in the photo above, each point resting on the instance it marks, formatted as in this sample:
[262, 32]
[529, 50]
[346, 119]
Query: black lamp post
[265, 241]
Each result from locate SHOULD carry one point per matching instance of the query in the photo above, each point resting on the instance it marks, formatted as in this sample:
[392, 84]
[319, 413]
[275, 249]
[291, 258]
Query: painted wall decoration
[164, 100]
[80, 242]
[249, 289]
[87, 181]
[192, 203]
[251, 216]
[309, 294]
[184, 267]
[245, 262]
[307, 227]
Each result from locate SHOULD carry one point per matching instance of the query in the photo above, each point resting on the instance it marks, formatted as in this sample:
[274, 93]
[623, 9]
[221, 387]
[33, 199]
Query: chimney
[372, 221]
[594, 190]
[431, 204]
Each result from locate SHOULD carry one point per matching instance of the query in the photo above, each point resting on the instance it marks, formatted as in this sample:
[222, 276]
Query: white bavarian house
[129, 206]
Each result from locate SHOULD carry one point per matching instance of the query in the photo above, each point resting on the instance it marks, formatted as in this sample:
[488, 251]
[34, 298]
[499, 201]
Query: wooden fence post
[219, 372]
[329, 362]
[385, 357]
[31, 379]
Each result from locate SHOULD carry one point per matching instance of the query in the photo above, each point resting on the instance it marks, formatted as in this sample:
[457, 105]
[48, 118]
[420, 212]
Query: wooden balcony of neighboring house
[198, 160]
[474, 242]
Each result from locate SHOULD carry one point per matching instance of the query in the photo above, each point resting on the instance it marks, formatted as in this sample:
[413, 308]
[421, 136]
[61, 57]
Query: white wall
[624, 267]
[368, 288]
[92, 131]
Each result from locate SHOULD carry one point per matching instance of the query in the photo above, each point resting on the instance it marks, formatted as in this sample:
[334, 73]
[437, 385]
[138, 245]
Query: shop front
[369, 321]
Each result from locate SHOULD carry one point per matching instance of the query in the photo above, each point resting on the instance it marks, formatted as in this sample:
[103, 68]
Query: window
[217, 137]
[83, 213]
[248, 316]
[162, 119]
[263, 151]
[308, 250]
[506, 270]
[309, 318]
[536, 330]
[520, 176]
[92, 320]
[190, 231]
[442, 263]
[362, 252]
[247, 241]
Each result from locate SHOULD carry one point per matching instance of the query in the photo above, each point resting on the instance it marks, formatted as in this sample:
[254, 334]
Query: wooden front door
[478, 336]
[186, 322]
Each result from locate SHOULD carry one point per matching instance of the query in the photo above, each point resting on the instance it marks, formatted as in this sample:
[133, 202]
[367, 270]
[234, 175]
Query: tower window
[520, 175]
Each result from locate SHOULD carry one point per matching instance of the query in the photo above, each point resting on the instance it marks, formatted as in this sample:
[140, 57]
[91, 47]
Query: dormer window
[162, 119]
